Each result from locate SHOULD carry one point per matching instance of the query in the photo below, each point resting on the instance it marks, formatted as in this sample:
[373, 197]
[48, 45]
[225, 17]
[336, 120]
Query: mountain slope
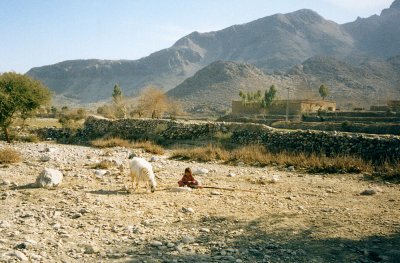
[213, 88]
[93, 80]
[374, 81]
[273, 43]
[378, 35]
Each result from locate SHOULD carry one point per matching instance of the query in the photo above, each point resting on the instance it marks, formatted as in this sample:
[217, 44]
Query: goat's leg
[133, 181]
[137, 184]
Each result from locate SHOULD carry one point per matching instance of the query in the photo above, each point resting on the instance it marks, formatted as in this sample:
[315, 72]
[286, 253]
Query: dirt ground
[288, 216]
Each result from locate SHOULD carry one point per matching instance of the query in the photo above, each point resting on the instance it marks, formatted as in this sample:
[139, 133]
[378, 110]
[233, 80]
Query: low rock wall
[371, 147]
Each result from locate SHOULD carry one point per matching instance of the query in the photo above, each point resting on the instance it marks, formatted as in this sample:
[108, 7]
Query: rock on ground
[49, 178]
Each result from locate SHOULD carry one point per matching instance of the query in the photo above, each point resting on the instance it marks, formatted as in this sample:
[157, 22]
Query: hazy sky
[42, 32]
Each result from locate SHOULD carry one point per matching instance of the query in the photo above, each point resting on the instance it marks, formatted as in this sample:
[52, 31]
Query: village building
[279, 107]
[392, 105]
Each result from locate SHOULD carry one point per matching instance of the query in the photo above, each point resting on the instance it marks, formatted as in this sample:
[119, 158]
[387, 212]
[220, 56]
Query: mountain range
[300, 49]
[212, 88]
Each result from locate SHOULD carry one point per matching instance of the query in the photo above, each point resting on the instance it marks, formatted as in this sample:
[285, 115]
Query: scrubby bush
[9, 155]
[104, 164]
[72, 119]
[389, 170]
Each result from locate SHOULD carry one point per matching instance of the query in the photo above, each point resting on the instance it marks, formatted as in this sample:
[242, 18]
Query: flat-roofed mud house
[278, 107]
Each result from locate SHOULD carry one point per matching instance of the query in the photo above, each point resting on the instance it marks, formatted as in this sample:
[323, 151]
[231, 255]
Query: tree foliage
[251, 97]
[175, 109]
[323, 91]
[269, 96]
[152, 102]
[266, 101]
[117, 94]
[119, 106]
[19, 94]
[242, 95]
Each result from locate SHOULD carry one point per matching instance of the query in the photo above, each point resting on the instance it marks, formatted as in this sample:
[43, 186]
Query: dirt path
[91, 218]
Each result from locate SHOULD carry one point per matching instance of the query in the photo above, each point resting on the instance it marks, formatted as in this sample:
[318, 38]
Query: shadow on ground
[230, 240]
[25, 186]
[109, 192]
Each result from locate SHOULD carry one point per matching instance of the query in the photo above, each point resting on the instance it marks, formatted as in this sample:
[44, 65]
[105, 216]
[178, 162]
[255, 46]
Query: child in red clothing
[188, 180]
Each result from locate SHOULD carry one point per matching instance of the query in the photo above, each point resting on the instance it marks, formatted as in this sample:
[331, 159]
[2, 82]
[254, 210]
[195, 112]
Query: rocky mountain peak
[272, 43]
[394, 9]
[395, 5]
[307, 15]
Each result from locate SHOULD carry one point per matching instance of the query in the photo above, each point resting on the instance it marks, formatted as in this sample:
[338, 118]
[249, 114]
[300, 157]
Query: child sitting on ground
[188, 180]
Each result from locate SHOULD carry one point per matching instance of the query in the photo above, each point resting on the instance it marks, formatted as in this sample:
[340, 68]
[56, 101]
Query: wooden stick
[233, 189]
[219, 188]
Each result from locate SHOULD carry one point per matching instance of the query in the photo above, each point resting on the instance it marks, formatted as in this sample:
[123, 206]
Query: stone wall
[374, 148]
[371, 147]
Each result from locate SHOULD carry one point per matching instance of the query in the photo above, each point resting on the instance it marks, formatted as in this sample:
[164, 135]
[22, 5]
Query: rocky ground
[288, 216]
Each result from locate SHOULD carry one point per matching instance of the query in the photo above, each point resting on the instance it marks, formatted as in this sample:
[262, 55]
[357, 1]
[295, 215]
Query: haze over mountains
[352, 57]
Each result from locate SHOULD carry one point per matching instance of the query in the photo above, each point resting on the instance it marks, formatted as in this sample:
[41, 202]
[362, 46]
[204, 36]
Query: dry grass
[202, 154]
[389, 170]
[258, 155]
[148, 146]
[341, 164]
[28, 138]
[9, 155]
[104, 164]
[110, 142]
[251, 154]
[38, 122]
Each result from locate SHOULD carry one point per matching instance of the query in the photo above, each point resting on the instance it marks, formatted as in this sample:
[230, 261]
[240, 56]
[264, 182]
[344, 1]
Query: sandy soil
[288, 216]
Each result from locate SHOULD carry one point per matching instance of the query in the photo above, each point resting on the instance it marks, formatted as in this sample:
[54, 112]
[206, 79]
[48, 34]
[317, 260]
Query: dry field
[288, 216]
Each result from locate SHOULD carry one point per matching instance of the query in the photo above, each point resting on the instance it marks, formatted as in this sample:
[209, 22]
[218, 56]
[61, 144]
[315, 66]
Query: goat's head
[132, 155]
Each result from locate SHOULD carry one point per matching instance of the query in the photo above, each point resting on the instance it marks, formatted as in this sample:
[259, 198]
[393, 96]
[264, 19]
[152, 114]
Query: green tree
[19, 94]
[269, 96]
[243, 96]
[117, 94]
[257, 96]
[323, 91]
[54, 110]
[26, 114]
[120, 110]
[250, 97]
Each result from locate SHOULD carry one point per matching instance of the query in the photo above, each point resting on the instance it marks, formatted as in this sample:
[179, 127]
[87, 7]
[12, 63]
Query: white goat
[141, 170]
